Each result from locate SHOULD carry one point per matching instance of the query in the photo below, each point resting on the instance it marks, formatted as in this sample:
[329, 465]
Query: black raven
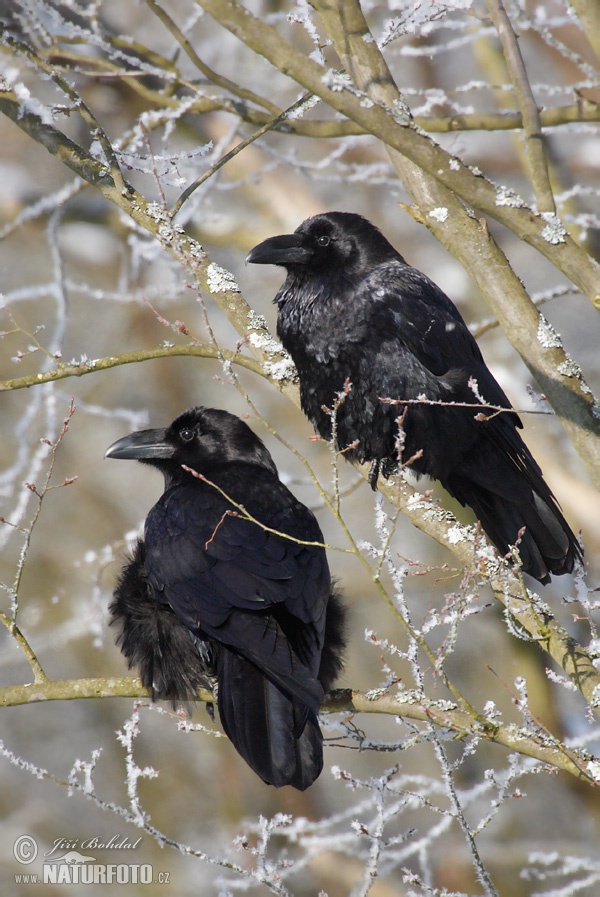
[351, 310]
[215, 595]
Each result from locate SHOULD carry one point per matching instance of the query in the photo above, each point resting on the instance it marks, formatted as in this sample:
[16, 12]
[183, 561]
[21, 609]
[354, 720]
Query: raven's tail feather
[547, 544]
[276, 735]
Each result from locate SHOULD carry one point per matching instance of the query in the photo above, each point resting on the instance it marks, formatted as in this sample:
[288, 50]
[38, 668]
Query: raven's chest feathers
[394, 335]
[319, 320]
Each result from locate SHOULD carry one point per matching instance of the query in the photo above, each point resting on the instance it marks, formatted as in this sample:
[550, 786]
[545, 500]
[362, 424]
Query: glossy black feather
[211, 598]
[352, 308]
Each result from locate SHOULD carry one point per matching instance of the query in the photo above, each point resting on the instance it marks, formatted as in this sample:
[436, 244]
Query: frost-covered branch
[393, 702]
[91, 365]
[456, 710]
[388, 122]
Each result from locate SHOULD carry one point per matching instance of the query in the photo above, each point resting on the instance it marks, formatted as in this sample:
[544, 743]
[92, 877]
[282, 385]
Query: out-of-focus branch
[553, 116]
[588, 13]
[396, 703]
[536, 153]
[268, 126]
[210, 74]
[584, 110]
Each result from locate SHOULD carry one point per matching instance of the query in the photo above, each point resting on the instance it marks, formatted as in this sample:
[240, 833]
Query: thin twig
[212, 76]
[245, 515]
[80, 369]
[237, 149]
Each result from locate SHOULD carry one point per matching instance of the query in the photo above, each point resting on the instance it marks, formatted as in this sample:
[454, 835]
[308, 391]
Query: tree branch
[268, 126]
[212, 76]
[65, 371]
[532, 127]
[410, 705]
[387, 123]
[97, 68]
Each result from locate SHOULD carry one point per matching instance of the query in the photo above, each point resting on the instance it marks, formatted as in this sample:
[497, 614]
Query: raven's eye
[323, 241]
[187, 434]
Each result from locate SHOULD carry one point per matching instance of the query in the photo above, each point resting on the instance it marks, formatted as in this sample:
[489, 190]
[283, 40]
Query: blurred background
[80, 281]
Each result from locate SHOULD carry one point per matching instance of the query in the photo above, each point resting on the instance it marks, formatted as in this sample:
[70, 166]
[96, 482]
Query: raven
[228, 591]
[362, 326]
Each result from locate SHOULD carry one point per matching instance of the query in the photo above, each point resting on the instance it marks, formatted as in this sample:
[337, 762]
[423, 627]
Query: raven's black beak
[142, 446]
[284, 250]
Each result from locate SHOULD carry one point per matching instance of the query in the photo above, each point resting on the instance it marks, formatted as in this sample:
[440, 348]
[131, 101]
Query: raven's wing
[398, 337]
[426, 325]
[484, 462]
[230, 579]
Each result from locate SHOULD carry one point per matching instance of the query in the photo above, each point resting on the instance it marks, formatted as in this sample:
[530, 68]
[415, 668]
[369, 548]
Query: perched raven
[352, 310]
[215, 595]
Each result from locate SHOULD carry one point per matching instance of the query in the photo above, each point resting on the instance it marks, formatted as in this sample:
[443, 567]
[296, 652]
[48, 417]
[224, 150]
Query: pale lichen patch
[547, 335]
[219, 280]
[555, 231]
[439, 214]
[284, 369]
[505, 196]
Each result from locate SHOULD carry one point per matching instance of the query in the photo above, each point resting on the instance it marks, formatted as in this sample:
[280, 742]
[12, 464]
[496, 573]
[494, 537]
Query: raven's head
[200, 438]
[328, 243]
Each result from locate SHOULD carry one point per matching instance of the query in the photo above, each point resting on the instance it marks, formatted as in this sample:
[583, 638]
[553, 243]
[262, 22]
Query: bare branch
[536, 155]
[385, 121]
[268, 126]
[407, 704]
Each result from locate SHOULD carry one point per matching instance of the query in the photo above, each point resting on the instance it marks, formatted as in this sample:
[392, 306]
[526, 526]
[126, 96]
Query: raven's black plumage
[351, 307]
[210, 598]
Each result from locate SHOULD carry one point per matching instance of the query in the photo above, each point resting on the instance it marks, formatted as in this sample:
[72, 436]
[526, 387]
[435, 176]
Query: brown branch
[583, 110]
[552, 117]
[268, 126]
[410, 705]
[209, 73]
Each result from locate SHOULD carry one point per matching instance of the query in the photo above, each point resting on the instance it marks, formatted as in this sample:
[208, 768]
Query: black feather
[213, 599]
[152, 638]
[351, 309]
